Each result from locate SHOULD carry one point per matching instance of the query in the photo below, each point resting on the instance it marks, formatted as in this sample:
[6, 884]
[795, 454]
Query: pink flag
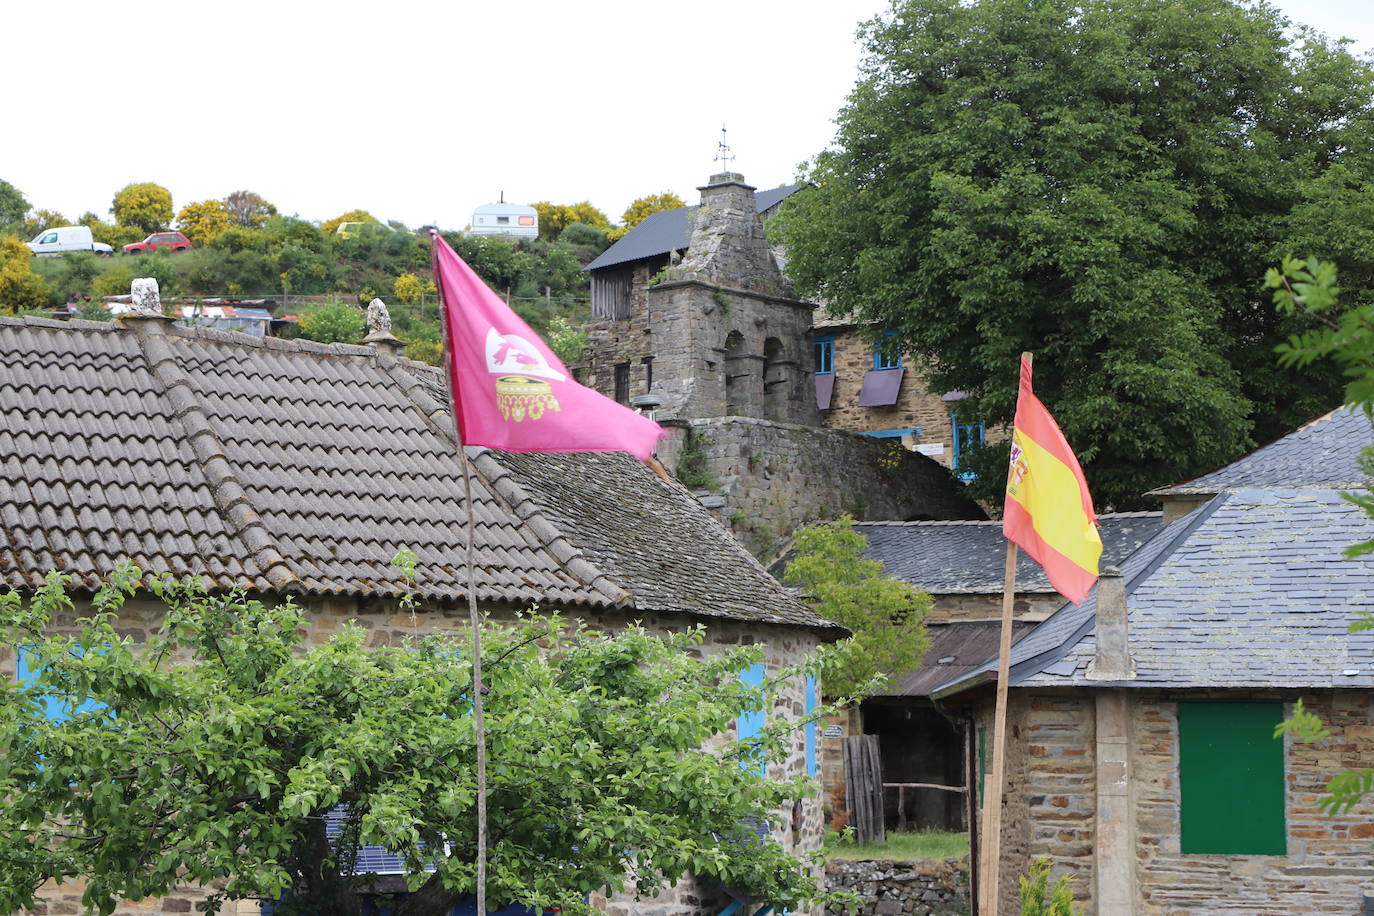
[510, 392]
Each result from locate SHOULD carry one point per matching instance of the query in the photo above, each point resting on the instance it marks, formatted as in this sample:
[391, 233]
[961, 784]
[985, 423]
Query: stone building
[702, 326]
[961, 565]
[290, 468]
[1142, 758]
[863, 386]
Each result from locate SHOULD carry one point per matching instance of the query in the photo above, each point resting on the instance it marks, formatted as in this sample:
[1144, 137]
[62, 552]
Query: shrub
[20, 288]
[338, 322]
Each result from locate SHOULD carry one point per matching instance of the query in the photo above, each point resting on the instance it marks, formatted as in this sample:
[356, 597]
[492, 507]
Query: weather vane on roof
[723, 154]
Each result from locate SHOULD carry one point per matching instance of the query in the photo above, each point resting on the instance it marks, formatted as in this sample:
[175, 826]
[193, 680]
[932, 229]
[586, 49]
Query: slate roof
[671, 230]
[1251, 590]
[292, 466]
[969, 557]
[1324, 453]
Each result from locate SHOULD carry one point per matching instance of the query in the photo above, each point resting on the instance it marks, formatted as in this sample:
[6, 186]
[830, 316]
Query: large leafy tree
[216, 753]
[143, 205]
[643, 207]
[1099, 182]
[13, 206]
[554, 218]
[249, 209]
[203, 221]
[20, 288]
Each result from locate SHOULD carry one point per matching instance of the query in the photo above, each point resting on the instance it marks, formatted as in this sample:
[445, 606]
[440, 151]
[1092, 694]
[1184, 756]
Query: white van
[67, 238]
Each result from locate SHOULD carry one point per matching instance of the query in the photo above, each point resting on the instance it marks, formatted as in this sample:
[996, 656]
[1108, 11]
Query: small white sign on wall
[931, 448]
[832, 731]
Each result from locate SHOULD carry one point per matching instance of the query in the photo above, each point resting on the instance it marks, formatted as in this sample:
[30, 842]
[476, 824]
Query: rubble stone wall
[926, 887]
[774, 477]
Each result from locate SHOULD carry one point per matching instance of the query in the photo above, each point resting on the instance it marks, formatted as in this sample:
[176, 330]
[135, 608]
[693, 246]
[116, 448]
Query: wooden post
[992, 806]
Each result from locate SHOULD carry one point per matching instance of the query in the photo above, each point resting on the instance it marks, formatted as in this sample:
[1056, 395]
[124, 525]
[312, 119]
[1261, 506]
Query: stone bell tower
[729, 339]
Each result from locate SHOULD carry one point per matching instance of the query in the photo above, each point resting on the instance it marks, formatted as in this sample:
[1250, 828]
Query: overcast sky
[419, 111]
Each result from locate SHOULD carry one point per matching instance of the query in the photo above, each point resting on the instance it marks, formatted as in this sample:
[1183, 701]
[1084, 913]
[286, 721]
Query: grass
[925, 844]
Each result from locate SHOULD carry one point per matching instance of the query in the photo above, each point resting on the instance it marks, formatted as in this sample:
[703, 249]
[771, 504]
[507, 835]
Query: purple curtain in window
[880, 387]
[825, 388]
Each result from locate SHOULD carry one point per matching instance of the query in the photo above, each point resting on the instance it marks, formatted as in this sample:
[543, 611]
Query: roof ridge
[503, 486]
[231, 499]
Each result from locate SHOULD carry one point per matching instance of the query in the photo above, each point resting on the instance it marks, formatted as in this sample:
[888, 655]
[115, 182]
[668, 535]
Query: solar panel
[371, 859]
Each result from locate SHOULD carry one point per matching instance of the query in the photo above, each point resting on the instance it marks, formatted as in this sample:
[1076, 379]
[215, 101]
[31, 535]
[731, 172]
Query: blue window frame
[825, 354]
[810, 726]
[886, 355]
[751, 722]
[967, 437]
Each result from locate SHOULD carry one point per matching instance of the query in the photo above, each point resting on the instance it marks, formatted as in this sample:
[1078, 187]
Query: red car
[173, 240]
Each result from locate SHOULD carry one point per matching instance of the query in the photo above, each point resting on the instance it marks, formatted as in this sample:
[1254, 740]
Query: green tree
[338, 322]
[203, 221]
[213, 755]
[20, 288]
[566, 341]
[41, 221]
[352, 216]
[1100, 183]
[145, 206]
[554, 218]
[114, 236]
[643, 207]
[248, 209]
[885, 615]
[13, 206]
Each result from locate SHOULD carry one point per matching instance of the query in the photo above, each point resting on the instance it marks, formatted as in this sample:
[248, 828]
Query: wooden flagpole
[478, 723]
[474, 617]
[992, 803]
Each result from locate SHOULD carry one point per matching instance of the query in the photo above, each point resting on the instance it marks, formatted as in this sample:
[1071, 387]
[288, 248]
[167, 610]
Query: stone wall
[926, 887]
[629, 342]
[388, 625]
[1027, 606]
[774, 477]
[1051, 805]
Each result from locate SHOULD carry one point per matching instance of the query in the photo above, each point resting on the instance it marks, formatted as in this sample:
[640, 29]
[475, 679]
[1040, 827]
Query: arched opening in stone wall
[736, 375]
[774, 380]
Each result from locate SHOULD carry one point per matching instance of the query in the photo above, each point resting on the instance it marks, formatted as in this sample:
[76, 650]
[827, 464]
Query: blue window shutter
[54, 709]
[751, 722]
[810, 726]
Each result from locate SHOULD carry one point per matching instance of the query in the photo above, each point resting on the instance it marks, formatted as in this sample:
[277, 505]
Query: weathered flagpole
[474, 617]
[992, 803]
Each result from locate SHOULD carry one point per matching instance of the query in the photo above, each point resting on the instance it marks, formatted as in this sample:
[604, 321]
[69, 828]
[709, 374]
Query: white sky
[419, 110]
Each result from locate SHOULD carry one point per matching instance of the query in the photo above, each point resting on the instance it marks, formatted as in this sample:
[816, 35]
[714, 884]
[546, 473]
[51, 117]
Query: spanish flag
[1049, 513]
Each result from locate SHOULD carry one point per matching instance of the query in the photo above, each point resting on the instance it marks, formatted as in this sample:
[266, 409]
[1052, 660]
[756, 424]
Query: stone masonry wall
[387, 625]
[775, 477]
[926, 887]
[1027, 606]
[610, 343]
[916, 407]
[1051, 805]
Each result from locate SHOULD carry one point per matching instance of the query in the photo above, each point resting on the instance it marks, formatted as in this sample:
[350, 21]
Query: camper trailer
[505, 219]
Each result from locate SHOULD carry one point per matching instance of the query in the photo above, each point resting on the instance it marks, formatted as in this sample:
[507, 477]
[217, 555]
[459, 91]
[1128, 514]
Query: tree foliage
[885, 615]
[644, 207]
[330, 226]
[248, 209]
[40, 220]
[114, 236]
[13, 206]
[145, 206]
[20, 288]
[554, 218]
[203, 221]
[1098, 182]
[213, 755]
[338, 322]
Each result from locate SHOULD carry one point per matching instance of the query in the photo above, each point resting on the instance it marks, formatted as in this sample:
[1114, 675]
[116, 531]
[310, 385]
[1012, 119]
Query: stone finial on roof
[144, 298]
[145, 313]
[379, 329]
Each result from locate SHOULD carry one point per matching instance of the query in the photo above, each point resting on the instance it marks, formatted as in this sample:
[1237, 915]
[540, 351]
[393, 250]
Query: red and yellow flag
[1049, 513]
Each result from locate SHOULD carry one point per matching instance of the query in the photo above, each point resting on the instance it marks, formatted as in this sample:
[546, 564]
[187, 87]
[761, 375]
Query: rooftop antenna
[503, 197]
[723, 154]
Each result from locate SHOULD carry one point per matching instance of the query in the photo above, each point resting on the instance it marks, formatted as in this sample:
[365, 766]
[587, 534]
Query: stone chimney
[728, 247]
[1112, 660]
